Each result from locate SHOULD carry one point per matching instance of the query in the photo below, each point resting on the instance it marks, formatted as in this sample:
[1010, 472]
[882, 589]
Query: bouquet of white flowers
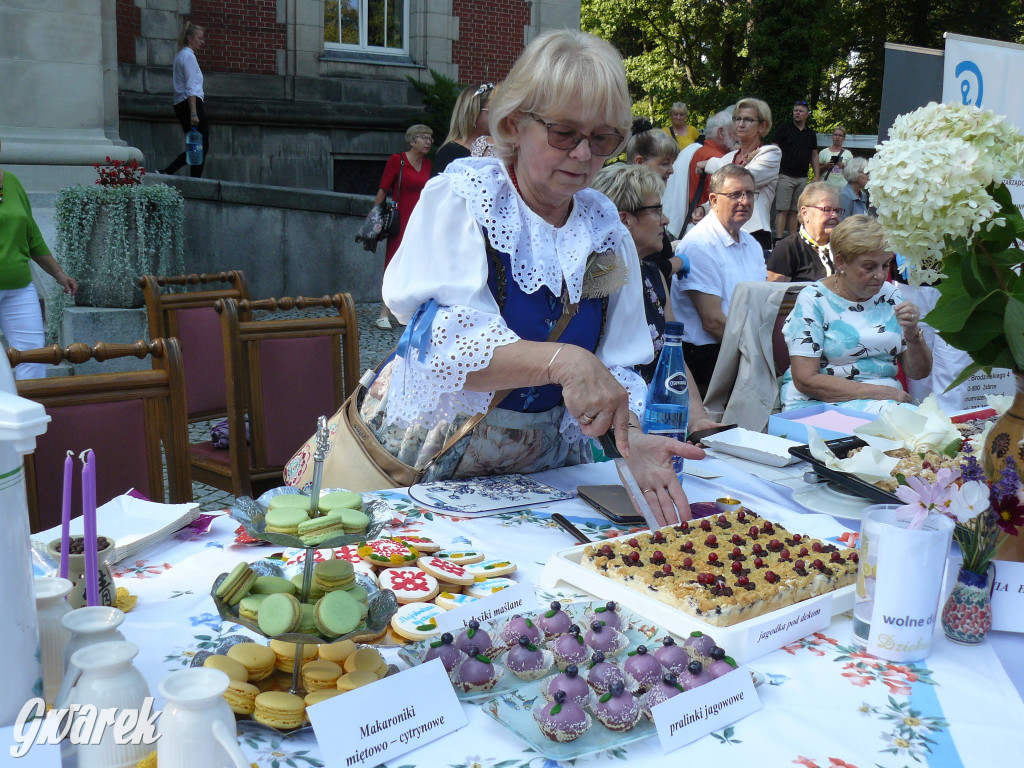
[938, 185]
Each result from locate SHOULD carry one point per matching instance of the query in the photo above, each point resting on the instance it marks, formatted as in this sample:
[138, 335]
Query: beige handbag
[355, 458]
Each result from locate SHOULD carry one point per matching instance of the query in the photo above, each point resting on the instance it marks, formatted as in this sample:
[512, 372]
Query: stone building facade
[312, 93]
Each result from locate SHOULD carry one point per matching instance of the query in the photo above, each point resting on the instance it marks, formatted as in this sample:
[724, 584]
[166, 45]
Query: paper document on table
[697, 468]
[133, 523]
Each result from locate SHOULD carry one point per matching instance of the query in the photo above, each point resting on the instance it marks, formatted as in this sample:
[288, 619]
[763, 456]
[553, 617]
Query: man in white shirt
[721, 255]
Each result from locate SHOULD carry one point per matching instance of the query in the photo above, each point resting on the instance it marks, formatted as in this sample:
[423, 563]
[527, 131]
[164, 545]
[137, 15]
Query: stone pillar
[58, 91]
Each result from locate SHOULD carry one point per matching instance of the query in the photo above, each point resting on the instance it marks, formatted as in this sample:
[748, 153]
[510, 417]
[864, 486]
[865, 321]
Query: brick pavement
[374, 344]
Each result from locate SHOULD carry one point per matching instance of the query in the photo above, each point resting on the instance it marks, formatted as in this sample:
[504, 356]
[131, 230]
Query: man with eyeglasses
[799, 145]
[721, 256]
[805, 255]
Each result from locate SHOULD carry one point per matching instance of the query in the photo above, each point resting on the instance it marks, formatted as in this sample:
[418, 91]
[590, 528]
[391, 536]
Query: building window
[373, 25]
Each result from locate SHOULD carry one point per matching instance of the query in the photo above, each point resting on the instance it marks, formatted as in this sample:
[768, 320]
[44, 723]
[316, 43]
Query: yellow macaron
[319, 674]
[367, 660]
[241, 697]
[258, 659]
[279, 710]
[228, 666]
[352, 680]
[317, 696]
[285, 653]
[337, 652]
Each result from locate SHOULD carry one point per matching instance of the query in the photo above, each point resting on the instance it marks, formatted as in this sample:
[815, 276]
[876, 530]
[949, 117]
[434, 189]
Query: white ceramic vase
[197, 728]
[90, 625]
[51, 606]
[109, 681]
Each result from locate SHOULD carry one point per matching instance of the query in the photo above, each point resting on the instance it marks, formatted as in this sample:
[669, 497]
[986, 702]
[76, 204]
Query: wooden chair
[190, 317]
[126, 418]
[282, 374]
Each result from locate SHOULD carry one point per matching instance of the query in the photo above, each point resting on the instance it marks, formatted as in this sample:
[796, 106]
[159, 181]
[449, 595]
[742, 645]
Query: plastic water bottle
[668, 399]
[194, 147]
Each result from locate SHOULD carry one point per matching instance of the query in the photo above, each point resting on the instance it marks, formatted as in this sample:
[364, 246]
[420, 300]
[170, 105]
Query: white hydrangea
[930, 179]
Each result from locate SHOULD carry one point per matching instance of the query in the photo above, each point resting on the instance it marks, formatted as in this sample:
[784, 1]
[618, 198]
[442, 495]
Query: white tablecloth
[825, 705]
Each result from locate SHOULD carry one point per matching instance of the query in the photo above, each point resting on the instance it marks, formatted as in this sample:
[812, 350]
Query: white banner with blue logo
[986, 73]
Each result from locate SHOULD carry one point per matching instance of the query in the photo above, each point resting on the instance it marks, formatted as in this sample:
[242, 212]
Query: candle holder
[728, 504]
[76, 569]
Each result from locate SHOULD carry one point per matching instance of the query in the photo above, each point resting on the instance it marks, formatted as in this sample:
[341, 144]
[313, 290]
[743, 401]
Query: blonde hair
[188, 31]
[418, 130]
[628, 186]
[764, 112]
[652, 144]
[856, 236]
[817, 190]
[565, 72]
[467, 109]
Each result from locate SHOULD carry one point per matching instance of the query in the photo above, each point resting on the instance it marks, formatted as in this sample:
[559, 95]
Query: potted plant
[938, 186]
[114, 231]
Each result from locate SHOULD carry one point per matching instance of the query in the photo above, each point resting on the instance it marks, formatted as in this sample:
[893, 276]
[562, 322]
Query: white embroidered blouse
[443, 256]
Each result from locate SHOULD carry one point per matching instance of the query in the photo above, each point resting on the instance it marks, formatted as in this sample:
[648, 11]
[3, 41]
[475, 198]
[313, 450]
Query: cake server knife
[612, 452]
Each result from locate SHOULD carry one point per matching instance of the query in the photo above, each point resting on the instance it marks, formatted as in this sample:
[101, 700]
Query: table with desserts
[823, 702]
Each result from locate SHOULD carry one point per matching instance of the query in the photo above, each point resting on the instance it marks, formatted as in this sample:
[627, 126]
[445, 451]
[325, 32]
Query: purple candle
[92, 585]
[65, 516]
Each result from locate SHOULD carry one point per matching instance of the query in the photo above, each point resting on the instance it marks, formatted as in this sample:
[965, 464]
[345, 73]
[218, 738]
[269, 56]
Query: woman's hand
[67, 283]
[701, 424]
[907, 315]
[651, 464]
[592, 395]
[698, 214]
[893, 393]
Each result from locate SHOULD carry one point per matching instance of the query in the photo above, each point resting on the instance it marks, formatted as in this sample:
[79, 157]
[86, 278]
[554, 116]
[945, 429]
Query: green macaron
[249, 607]
[334, 574]
[291, 500]
[353, 520]
[320, 529]
[279, 613]
[285, 520]
[340, 500]
[337, 613]
[237, 584]
[315, 590]
[269, 585]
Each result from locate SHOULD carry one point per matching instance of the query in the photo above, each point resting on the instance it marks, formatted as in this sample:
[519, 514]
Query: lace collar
[540, 253]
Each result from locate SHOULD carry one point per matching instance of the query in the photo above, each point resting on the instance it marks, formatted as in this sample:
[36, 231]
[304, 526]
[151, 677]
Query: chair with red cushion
[281, 373]
[190, 317]
[131, 420]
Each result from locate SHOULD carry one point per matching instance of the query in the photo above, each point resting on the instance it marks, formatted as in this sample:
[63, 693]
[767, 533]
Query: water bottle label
[676, 383]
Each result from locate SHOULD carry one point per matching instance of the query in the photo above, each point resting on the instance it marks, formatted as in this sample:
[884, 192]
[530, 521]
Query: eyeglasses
[483, 89]
[828, 210]
[734, 196]
[656, 208]
[568, 138]
[425, 137]
[746, 120]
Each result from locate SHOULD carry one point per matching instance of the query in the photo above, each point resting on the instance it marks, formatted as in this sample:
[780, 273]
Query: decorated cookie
[445, 570]
[385, 553]
[416, 621]
[460, 556]
[448, 600]
[489, 569]
[420, 543]
[410, 585]
[488, 587]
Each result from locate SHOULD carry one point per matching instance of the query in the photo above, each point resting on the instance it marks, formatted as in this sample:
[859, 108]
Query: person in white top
[721, 256]
[187, 81]
[752, 120]
[494, 250]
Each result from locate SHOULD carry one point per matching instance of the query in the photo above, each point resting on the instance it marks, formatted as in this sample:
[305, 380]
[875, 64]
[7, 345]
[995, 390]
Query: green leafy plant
[108, 235]
[439, 98]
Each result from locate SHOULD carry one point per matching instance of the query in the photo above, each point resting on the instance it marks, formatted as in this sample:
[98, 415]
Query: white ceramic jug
[197, 728]
[109, 681]
[90, 625]
[51, 606]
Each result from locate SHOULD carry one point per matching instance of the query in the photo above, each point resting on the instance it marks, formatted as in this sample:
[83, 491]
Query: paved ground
[374, 344]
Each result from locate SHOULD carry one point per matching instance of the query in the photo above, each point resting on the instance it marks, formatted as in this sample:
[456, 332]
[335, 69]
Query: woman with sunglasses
[752, 120]
[468, 123]
[520, 285]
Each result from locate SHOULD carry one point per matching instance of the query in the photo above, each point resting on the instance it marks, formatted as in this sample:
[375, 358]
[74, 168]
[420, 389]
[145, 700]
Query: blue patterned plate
[485, 495]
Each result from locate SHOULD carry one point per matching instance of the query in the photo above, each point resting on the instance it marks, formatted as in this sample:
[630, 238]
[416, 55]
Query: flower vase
[76, 572]
[967, 615]
[1004, 439]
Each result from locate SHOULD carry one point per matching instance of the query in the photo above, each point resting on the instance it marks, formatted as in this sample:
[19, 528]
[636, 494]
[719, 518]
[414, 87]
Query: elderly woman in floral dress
[495, 252]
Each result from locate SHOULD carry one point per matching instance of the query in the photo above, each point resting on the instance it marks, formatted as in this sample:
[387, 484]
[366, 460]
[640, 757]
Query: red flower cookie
[410, 585]
[445, 570]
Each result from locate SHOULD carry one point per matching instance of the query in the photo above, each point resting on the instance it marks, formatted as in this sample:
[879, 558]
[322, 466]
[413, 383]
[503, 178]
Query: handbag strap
[401, 168]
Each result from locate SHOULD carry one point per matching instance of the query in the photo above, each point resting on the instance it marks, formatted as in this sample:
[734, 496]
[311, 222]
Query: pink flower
[921, 499]
[806, 762]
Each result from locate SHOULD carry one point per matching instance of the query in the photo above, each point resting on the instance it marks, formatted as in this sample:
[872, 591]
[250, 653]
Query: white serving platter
[565, 567]
[753, 446]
